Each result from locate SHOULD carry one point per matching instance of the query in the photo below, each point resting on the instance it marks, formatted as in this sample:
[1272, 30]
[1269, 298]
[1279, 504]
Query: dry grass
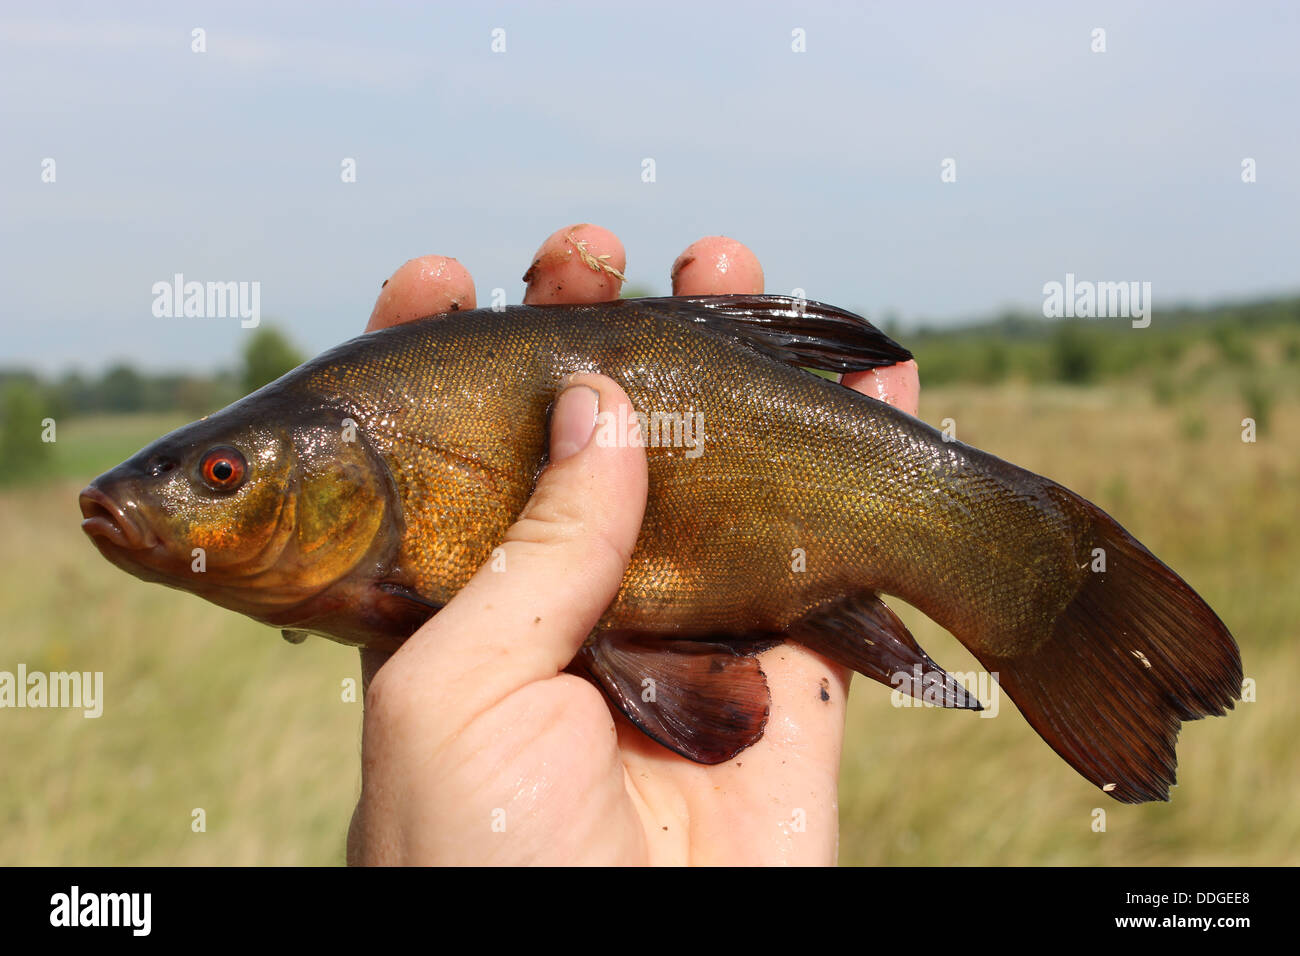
[205, 709]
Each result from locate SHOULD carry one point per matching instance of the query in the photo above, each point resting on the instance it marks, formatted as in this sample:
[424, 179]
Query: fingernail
[573, 421]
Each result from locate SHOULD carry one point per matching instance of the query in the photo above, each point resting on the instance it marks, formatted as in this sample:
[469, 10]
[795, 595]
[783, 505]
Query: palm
[774, 803]
[582, 785]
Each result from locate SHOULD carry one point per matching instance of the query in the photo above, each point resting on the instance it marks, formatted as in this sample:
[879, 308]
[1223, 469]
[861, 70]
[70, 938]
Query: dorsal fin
[798, 331]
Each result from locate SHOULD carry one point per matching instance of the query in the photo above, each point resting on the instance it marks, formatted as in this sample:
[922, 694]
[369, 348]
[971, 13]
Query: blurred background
[933, 166]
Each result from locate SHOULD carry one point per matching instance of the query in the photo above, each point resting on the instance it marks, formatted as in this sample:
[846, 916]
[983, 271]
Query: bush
[24, 408]
[1074, 354]
[1259, 402]
[994, 363]
[1233, 345]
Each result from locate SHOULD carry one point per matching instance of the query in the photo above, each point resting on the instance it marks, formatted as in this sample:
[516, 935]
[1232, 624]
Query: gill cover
[345, 501]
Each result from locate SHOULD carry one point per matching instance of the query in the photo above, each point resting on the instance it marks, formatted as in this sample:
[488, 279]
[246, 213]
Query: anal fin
[699, 699]
[861, 632]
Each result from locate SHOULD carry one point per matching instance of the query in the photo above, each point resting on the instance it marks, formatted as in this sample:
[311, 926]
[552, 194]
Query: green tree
[24, 410]
[122, 390]
[267, 356]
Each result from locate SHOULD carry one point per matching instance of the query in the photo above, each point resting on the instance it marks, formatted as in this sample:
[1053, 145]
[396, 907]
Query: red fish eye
[223, 469]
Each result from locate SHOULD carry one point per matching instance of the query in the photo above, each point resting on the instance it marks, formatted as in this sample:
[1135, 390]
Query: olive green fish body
[780, 506]
[850, 490]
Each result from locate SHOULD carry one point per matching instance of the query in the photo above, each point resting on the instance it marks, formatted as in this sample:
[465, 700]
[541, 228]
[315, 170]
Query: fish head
[261, 513]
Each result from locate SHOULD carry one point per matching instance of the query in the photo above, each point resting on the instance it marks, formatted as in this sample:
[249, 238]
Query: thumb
[524, 614]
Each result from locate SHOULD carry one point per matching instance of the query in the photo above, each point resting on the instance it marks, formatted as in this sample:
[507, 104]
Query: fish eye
[223, 468]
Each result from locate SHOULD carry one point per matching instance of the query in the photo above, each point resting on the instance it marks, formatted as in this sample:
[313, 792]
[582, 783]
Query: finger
[582, 263]
[899, 385]
[429, 285]
[524, 615]
[717, 265]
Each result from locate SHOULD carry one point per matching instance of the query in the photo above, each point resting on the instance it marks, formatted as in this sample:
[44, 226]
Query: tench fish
[354, 496]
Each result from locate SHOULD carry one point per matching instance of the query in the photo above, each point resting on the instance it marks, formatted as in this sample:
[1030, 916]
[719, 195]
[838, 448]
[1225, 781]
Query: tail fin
[1133, 654]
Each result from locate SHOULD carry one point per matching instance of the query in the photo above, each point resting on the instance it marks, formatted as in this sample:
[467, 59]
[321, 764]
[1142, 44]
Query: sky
[227, 165]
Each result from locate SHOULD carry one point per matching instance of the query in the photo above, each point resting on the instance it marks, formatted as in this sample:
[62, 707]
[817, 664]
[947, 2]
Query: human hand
[478, 748]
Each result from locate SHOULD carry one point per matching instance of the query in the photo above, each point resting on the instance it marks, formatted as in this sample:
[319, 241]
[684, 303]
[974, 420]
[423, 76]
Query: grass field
[207, 710]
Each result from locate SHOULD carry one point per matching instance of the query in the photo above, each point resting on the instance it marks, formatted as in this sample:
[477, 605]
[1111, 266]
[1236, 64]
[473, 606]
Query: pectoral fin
[407, 595]
[861, 632]
[702, 700]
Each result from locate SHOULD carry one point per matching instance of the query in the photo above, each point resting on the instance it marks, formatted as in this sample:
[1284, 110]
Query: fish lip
[105, 518]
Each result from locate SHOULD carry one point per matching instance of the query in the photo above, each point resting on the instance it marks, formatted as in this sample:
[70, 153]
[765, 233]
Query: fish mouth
[103, 518]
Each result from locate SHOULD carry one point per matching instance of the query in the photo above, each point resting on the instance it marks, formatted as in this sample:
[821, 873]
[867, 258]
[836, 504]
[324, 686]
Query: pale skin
[477, 746]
